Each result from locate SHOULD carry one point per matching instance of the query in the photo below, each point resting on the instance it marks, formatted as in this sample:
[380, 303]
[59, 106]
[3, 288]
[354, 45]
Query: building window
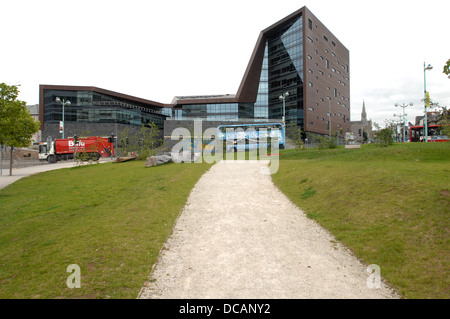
[310, 24]
[310, 40]
[325, 38]
[310, 84]
[327, 64]
[333, 43]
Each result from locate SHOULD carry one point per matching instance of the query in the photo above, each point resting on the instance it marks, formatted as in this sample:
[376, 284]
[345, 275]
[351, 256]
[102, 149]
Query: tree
[295, 133]
[447, 68]
[445, 121]
[17, 126]
[149, 141]
[385, 136]
[145, 143]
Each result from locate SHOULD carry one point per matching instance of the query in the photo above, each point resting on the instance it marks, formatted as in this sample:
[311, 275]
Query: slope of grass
[110, 219]
[389, 205]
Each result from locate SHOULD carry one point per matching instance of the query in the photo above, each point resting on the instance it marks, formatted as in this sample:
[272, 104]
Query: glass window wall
[93, 107]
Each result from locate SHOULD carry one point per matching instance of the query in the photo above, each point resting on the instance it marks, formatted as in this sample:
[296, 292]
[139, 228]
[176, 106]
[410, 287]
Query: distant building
[363, 126]
[34, 111]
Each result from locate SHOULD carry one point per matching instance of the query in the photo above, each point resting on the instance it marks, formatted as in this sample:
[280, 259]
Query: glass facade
[94, 107]
[261, 110]
[281, 72]
[285, 65]
[214, 112]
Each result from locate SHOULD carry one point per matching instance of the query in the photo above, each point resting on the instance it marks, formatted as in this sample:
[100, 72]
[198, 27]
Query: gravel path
[240, 237]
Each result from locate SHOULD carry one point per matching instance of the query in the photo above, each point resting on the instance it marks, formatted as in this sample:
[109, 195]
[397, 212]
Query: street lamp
[404, 119]
[63, 103]
[429, 67]
[283, 98]
[397, 122]
[329, 115]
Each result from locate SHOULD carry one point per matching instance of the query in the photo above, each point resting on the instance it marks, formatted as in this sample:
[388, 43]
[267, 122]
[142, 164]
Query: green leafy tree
[149, 141]
[125, 141]
[295, 133]
[445, 121]
[145, 143]
[447, 68]
[384, 136]
[17, 126]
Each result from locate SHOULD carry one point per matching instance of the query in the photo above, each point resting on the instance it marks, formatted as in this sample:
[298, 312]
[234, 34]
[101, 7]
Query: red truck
[64, 149]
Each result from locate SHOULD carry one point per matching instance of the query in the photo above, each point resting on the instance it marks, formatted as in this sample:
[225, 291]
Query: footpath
[21, 172]
[238, 237]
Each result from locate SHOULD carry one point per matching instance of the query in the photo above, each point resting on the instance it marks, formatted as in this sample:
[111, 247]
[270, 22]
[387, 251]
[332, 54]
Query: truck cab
[45, 151]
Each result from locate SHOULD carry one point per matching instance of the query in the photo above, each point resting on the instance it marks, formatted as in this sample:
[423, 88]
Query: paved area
[19, 173]
[240, 237]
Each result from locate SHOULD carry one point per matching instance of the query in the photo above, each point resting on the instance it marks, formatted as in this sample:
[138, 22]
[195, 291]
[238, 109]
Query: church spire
[363, 114]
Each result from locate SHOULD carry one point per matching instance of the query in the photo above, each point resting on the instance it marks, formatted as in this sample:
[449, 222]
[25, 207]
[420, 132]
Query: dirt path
[240, 237]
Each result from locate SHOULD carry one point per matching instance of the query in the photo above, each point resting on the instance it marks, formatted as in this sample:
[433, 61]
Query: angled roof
[248, 89]
[43, 87]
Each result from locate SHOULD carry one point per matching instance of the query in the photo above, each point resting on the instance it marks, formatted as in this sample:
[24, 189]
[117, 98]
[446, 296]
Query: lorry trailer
[92, 147]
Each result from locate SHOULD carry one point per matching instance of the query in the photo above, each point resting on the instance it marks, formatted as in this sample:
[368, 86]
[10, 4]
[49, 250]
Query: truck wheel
[51, 159]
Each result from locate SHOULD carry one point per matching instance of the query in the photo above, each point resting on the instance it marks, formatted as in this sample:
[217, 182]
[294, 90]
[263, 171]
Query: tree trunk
[11, 162]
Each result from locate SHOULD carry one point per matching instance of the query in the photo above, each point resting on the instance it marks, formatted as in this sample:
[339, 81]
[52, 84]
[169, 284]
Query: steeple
[363, 114]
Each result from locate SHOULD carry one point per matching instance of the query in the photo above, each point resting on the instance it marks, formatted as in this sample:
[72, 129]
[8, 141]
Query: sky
[160, 49]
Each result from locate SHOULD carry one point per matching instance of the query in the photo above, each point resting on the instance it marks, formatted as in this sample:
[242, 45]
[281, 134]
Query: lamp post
[63, 103]
[429, 67]
[329, 115]
[283, 98]
[397, 122]
[404, 117]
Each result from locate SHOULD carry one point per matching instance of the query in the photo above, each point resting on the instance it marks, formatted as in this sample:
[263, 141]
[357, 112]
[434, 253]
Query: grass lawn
[391, 206]
[110, 219]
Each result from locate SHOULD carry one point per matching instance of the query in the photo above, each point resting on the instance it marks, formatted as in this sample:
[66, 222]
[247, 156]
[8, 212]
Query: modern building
[94, 111]
[298, 71]
[298, 55]
[363, 127]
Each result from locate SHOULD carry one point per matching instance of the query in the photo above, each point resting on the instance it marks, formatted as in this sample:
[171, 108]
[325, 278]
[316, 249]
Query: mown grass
[390, 206]
[110, 219]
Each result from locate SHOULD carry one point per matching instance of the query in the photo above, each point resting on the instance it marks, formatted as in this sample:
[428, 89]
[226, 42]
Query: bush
[325, 142]
[295, 133]
[384, 137]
